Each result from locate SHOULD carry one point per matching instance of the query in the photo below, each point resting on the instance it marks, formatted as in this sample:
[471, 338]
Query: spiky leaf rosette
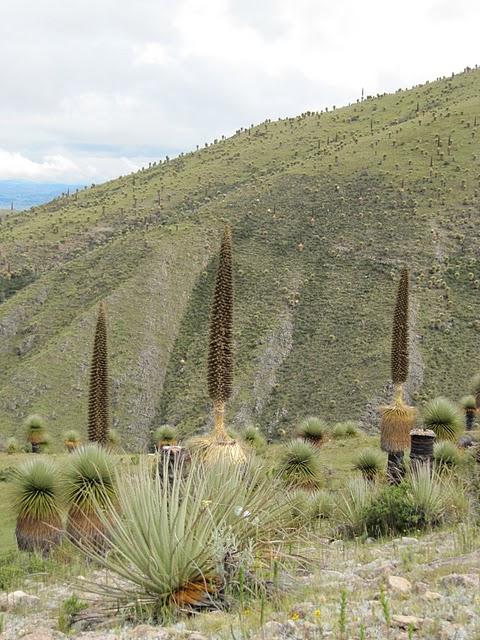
[299, 464]
[443, 418]
[98, 400]
[475, 384]
[399, 361]
[370, 462]
[220, 357]
[468, 403]
[36, 429]
[89, 488]
[314, 430]
[36, 501]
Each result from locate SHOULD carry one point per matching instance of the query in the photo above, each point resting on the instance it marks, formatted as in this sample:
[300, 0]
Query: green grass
[325, 209]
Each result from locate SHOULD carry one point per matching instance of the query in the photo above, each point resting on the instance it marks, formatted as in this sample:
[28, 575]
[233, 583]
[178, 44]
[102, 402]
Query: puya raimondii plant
[98, 400]
[398, 418]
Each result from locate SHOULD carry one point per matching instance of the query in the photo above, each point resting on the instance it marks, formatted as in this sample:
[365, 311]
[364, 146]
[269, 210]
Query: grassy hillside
[325, 209]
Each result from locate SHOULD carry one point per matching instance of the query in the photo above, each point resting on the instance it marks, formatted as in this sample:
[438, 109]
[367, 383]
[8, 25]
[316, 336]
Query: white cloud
[100, 83]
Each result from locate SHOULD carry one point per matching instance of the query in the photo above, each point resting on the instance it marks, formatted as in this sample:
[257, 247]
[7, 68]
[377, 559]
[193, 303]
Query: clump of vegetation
[89, 487]
[353, 504]
[113, 439]
[299, 465]
[212, 525]
[12, 446]
[165, 436]
[469, 406]
[71, 440]
[398, 419]
[253, 437]
[99, 397]
[36, 432]
[339, 431]
[421, 501]
[370, 462]
[313, 430]
[36, 500]
[475, 386]
[321, 505]
[348, 429]
[69, 611]
[443, 418]
[446, 455]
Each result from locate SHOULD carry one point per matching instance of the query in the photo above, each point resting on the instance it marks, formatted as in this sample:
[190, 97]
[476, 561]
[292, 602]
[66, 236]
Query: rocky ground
[400, 589]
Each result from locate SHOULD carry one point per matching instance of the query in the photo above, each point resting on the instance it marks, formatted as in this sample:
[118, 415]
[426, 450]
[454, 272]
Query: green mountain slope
[325, 209]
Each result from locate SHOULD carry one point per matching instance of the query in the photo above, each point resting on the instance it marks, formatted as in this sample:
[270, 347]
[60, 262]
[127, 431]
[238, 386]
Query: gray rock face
[465, 580]
[9, 601]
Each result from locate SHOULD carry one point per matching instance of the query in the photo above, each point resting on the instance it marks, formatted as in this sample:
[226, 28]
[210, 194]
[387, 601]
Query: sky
[92, 89]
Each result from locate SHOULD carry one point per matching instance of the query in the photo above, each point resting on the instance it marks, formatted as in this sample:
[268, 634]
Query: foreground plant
[98, 399]
[398, 419]
[36, 500]
[443, 418]
[176, 543]
[299, 465]
[220, 359]
[36, 432]
[313, 430]
[89, 483]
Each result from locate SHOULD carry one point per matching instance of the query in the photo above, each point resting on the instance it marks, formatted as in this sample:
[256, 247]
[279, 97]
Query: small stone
[431, 596]
[147, 632]
[401, 585]
[39, 635]
[302, 610]
[465, 580]
[9, 601]
[420, 587]
[271, 631]
[405, 540]
[405, 622]
[196, 636]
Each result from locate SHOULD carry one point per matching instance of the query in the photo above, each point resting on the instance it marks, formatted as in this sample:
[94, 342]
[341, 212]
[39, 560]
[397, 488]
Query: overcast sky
[94, 88]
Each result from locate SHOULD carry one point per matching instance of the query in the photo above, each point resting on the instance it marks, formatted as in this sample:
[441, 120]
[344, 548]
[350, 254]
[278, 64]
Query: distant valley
[25, 194]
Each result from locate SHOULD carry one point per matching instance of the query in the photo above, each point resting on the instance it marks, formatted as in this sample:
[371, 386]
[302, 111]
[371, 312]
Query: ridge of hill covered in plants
[325, 209]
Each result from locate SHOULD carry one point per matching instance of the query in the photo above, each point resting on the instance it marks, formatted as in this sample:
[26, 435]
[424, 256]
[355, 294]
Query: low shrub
[70, 609]
[370, 462]
[299, 464]
[321, 505]
[164, 436]
[313, 430]
[446, 454]
[71, 440]
[12, 446]
[443, 418]
[423, 500]
[347, 429]
[253, 437]
[353, 505]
